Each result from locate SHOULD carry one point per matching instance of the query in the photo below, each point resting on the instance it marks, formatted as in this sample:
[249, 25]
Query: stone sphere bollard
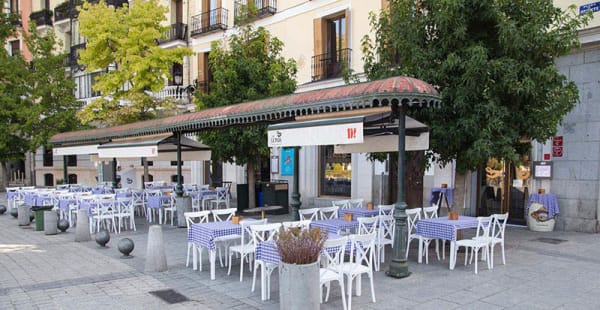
[125, 246]
[156, 257]
[63, 225]
[103, 237]
[2, 209]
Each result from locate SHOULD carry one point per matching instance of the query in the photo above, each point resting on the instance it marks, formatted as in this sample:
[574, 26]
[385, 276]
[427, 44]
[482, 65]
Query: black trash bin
[38, 212]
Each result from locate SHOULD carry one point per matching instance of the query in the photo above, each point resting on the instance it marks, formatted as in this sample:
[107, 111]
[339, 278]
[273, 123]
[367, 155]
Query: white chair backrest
[196, 217]
[333, 251]
[247, 232]
[204, 187]
[499, 225]
[329, 212]
[387, 227]
[412, 217]
[386, 209]
[363, 247]
[221, 193]
[302, 224]
[265, 232]
[355, 203]
[311, 214]
[430, 212]
[340, 203]
[367, 225]
[153, 192]
[483, 226]
[221, 215]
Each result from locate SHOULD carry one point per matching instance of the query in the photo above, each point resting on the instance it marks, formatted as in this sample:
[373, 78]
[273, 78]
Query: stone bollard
[82, 230]
[50, 223]
[156, 257]
[183, 204]
[23, 215]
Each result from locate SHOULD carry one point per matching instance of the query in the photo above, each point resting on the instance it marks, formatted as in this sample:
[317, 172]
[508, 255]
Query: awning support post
[65, 173]
[295, 197]
[114, 173]
[398, 265]
[179, 187]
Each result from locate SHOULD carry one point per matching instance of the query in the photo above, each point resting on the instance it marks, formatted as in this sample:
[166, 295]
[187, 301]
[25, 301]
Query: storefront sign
[317, 135]
[287, 161]
[542, 169]
[547, 156]
[594, 7]
[557, 151]
[557, 141]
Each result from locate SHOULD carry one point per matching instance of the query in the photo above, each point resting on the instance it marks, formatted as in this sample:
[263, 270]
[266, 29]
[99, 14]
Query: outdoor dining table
[446, 229]
[549, 201]
[204, 234]
[358, 212]
[335, 225]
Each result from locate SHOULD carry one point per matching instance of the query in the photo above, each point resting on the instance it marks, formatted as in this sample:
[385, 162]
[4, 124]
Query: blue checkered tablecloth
[267, 250]
[64, 204]
[155, 201]
[443, 228]
[335, 225]
[358, 212]
[205, 234]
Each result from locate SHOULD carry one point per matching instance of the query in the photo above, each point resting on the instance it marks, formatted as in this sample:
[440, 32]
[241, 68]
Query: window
[85, 85]
[174, 179]
[15, 47]
[332, 55]
[13, 6]
[72, 160]
[48, 179]
[48, 160]
[204, 74]
[72, 178]
[150, 178]
[335, 172]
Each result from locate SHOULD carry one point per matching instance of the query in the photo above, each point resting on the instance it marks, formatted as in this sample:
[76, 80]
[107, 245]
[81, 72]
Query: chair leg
[241, 265]
[229, 269]
[187, 261]
[350, 279]
[372, 287]
[503, 257]
[254, 275]
[341, 282]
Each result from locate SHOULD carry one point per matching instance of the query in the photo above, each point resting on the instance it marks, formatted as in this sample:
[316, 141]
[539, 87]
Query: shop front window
[336, 173]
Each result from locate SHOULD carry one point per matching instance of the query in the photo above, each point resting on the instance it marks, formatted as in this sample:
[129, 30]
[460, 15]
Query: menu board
[542, 169]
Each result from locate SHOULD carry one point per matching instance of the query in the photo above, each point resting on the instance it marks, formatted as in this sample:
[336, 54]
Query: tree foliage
[123, 43]
[52, 90]
[493, 62]
[249, 68]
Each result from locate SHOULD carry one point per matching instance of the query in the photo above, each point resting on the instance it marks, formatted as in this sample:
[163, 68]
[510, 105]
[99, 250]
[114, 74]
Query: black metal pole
[65, 172]
[295, 201]
[114, 172]
[398, 265]
[179, 187]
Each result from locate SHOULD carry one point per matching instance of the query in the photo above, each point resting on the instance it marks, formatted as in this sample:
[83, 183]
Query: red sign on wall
[547, 156]
[557, 151]
[557, 141]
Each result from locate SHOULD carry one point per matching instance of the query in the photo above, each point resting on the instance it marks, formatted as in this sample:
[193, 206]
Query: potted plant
[299, 250]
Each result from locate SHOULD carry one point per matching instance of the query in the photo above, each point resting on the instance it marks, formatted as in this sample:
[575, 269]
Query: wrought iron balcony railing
[68, 9]
[62, 11]
[249, 10]
[176, 32]
[74, 54]
[209, 21]
[330, 65]
[42, 17]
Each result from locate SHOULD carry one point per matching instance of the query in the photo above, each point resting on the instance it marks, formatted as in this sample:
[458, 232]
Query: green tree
[249, 68]
[493, 62]
[14, 99]
[52, 90]
[126, 38]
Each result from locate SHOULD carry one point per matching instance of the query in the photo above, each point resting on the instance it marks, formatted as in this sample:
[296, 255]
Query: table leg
[195, 257]
[452, 254]
[420, 258]
[262, 214]
[263, 283]
[212, 263]
[359, 285]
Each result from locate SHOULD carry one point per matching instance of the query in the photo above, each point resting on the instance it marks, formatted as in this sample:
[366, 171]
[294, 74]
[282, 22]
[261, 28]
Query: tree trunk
[251, 185]
[413, 179]
[146, 174]
[4, 180]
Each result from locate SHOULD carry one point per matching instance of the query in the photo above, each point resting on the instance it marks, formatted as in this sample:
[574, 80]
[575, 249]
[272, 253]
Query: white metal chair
[168, 207]
[432, 212]
[139, 205]
[222, 198]
[386, 209]
[367, 225]
[331, 270]
[246, 248]
[302, 224]
[329, 212]
[207, 200]
[223, 242]
[194, 218]
[479, 242]
[263, 233]
[497, 236]
[105, 212]
[355, 203]
[342, 204]
[311, 214]
[363, 248]
[385, 236]
[412, 217]
[150, 212]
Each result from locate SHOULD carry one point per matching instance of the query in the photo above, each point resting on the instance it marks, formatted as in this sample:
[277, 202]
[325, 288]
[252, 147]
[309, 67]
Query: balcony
[74, 55]
[176, 32]
[330, 65]
[209, 21]
[68, 9]
[62, 11]
[178, 93]
[254, 9]
[42, 18]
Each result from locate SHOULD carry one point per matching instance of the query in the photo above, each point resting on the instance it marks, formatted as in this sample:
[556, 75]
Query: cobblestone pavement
[54, 272]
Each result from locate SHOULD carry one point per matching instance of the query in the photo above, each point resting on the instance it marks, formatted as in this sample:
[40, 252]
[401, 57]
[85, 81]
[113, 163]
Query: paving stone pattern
[40, 271]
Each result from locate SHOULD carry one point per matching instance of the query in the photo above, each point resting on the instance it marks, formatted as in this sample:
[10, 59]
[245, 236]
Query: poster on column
[287, 161]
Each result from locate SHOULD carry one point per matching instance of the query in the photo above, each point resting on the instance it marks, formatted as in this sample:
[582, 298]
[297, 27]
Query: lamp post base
[398, 272]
